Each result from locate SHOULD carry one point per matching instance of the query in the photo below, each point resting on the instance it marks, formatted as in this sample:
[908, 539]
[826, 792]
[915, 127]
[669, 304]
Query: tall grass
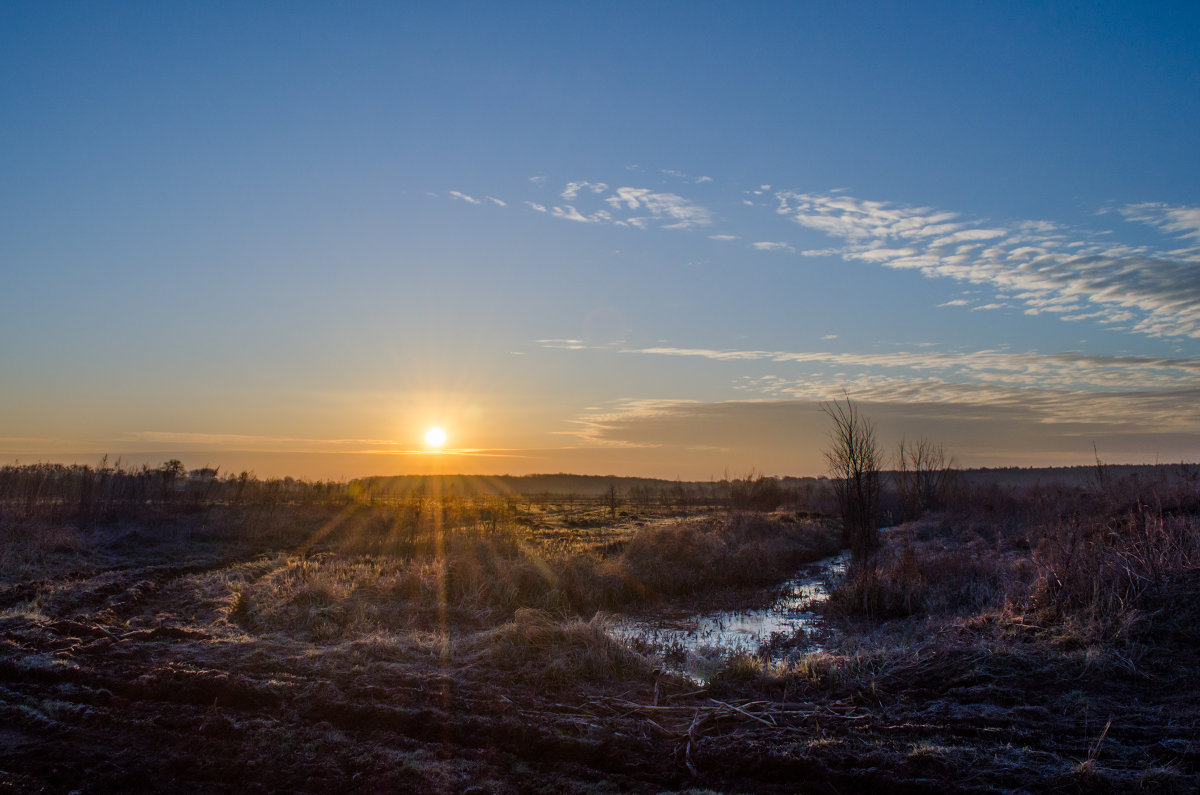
[33, 549]
[928, 578]
[1099, 569]
[736, 550]
[540, 648]
[404, 567]
[1085, 554]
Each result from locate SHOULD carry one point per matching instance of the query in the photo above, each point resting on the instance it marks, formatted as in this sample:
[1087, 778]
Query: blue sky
[630, 238]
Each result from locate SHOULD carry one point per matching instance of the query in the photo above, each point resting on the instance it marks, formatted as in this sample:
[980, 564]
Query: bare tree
[854, 462]
[922, 476]
[612, 500]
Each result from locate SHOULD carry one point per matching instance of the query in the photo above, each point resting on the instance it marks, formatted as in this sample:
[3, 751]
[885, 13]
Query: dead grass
[31, 550]
[1098, 570]
[538, 647]
[441, 645]
[724, 551]
[475, 577]
[948, 572]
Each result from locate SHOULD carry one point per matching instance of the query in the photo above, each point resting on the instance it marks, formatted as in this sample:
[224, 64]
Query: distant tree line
[87, 493]
[750, 492]
[104, 492]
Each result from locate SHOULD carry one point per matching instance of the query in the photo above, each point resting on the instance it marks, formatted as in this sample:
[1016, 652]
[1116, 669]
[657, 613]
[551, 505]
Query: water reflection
[697, 644]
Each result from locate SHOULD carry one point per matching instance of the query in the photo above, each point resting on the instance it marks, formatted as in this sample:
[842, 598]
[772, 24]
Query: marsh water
[696, 644]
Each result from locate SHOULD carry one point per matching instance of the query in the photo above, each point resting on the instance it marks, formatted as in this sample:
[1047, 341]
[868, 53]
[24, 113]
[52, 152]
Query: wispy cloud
[456, 194]
[1045, 266]
[599, 427]
[573, 188]
[676, 211]
[1068, 371]
[1048, 404]
[570, 345]
[1034, 266]
[569, 213]
[1056, 427]
[1181, 221]
[624, 206]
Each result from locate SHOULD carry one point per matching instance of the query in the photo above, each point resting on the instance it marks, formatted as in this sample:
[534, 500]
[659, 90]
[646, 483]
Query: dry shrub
[732, 551]
[925, 579]
[815, 672]
[868, 592]
[537, 647]
[29, 550]
[473, 583]
[316, 598]
[674, 559]
[327, 597]
[468, 578]
[420, 528]
[1099, 569]
[756, 494]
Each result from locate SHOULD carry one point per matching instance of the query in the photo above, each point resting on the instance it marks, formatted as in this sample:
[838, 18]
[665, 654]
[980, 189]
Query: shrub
[1100, 568]
[734, 551]
[538, 647]
[925, 579]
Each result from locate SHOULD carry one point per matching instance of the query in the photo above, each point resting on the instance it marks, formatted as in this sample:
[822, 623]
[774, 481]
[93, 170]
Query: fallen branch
[738, 709]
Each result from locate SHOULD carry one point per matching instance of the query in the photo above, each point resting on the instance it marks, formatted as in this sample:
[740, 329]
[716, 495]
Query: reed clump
[536, 646]
[729, 551]
[927, 578]
[1100, 569]
[376, 569]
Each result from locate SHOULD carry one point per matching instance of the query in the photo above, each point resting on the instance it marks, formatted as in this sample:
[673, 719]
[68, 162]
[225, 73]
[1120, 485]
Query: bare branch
[854, 462]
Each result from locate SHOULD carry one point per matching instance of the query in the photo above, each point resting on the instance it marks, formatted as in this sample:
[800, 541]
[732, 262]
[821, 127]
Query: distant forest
[94, 492]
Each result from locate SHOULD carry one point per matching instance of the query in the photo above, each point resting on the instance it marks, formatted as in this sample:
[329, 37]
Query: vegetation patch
[1019, 639]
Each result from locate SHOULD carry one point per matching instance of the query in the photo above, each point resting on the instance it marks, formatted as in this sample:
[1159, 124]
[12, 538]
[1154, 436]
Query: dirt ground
[133, 671]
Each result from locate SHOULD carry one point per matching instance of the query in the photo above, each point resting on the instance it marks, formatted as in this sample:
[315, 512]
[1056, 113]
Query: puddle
[697, 644]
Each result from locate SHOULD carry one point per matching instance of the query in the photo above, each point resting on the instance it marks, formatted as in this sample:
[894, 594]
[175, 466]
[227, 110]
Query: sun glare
[435, 437]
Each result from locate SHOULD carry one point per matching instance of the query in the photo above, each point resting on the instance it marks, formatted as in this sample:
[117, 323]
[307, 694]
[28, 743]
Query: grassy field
[298, 639]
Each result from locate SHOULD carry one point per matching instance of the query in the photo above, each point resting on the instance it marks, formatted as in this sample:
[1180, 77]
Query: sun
[435, 437]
